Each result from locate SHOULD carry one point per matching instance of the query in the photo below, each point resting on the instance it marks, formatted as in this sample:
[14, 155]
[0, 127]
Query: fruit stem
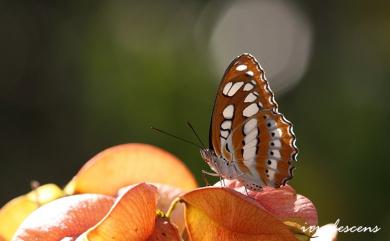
[172, 207]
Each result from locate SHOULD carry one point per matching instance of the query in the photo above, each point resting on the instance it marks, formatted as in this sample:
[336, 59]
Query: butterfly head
[208, 155]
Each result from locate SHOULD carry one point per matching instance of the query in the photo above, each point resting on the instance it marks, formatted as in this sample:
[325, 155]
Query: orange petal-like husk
[132, 217]
[18, 209]
[164, 231]
[128, 164]
[166, 195]
[214, 213]
[64, 217]
[282, 202]
[285, 203]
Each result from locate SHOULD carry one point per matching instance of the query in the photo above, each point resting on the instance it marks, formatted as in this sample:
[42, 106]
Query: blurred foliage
[78, 77]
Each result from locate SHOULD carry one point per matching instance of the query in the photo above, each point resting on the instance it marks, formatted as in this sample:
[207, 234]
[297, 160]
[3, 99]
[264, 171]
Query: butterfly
[250, 140]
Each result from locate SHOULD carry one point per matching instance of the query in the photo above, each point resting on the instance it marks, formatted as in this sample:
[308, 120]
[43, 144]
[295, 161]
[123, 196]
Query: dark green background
[69, 89]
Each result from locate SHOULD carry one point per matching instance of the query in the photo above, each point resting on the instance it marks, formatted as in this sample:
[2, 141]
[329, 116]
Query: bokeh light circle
[276, 32]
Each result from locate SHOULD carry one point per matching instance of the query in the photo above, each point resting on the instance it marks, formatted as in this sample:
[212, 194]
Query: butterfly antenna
[177, 137]
[196, 134]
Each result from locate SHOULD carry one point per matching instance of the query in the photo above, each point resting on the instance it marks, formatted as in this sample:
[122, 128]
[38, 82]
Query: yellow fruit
[15, 211]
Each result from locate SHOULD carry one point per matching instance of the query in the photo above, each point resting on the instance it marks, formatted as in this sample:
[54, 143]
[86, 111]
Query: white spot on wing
[227, 88]
[271, 124]
[250, 110]
[251, 135]
[230, 144]
[273, 165]
[249, 153]
[250, 98]
[249, 125]
[274, 154]
[223, 141]
[236, 86]
[276, 134]
[224, 134]
[271, 174]
[250, 73]
[251, 143]
[241, 67]
[248, 87]
[228, 112]
[227, 125]
[276, 143]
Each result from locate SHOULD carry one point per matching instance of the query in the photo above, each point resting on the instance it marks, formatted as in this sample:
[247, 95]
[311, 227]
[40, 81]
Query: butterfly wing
[243, 87]
[243, 96]
[264, 148]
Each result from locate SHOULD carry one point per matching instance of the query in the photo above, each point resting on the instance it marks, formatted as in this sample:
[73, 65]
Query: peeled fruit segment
[65, 218]
[128, 164]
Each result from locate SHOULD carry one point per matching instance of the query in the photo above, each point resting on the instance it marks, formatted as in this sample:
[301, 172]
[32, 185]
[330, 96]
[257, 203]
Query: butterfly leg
[205, 178]
[222, 181]
[210, 173]
[246, 191]
[204, 173]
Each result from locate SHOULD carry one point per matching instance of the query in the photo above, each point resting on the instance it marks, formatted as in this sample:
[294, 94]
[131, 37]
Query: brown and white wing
[265, 149]
[242, 91]
[242, 96]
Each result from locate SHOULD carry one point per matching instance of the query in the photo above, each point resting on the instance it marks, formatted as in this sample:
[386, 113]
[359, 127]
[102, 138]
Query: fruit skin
[128, 164]
[13, 213]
